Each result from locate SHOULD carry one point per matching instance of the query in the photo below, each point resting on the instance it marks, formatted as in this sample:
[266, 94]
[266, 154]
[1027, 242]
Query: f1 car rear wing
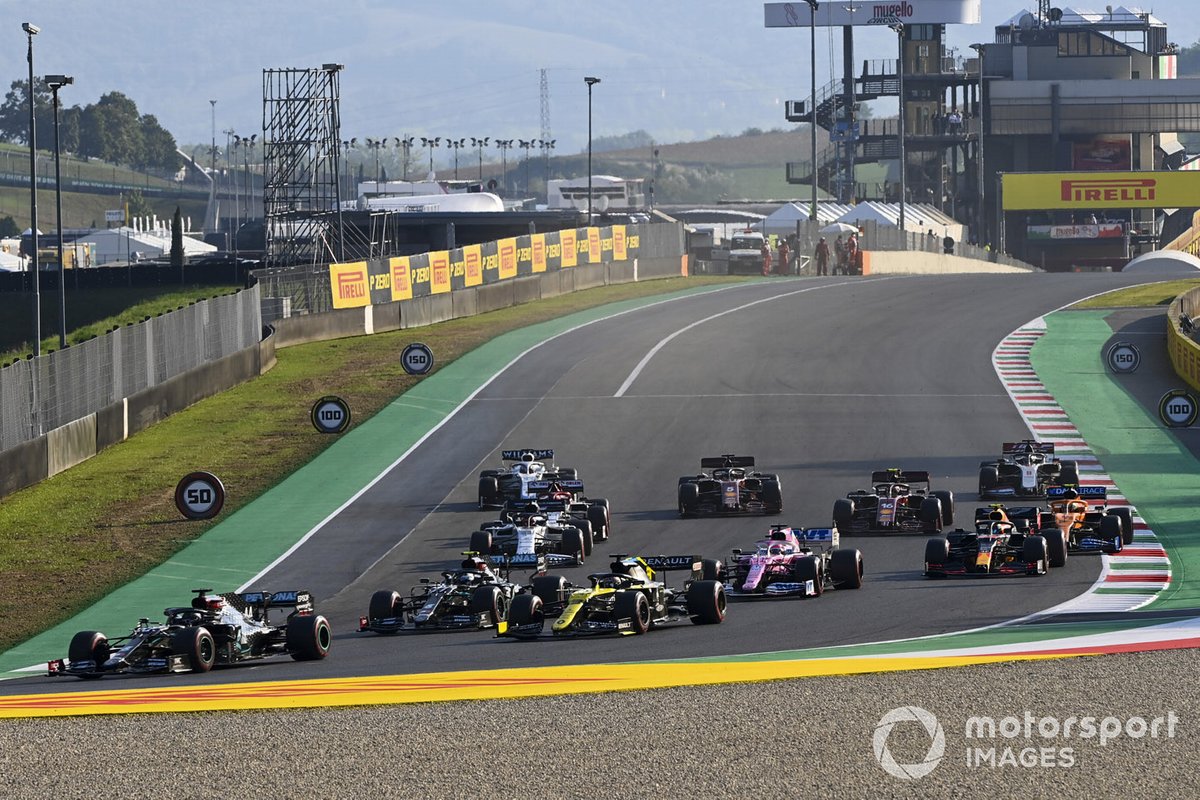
[547, 486]
[1013, 448]
[532, 561]
[665, 563]
[900, 476]
[827, 536]
[299, 599]
[533, 454]
[1085, 492]
[729, 460]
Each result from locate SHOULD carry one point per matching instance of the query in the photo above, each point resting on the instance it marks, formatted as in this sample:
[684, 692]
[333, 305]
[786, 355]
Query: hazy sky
[680, 69]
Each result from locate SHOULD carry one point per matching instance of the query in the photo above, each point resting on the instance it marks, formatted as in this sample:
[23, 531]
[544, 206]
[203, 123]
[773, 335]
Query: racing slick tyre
[489, 600]
[1111, 528]
[988, 478]
[772, 497]
[598, 515]
[89, 646]
[947, 498]
[706, 602]
[568, 474]
[572, 544]
[1034, 549]
[1056, 547]
[481, 542]
[937, 551]
[689, 498]
[843, 514]
[489, 491]
[711, 569]
[808, 568]
[1126, 517]
[385, 604]
[846, 568]
[198, 645]
[525, 609]
[587, 534]
[308, 637]
[549, 589]
[635, 607]
[931, 515]
[1068, 473]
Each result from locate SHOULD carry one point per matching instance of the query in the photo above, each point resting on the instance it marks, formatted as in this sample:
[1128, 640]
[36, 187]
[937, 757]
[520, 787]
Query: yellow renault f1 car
[626, 600]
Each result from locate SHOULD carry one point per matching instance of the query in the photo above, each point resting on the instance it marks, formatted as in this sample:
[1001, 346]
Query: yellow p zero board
[537, 243]
[348, 282]
[618, 240]
[439, 272]
[508, 258]
[569, 253]
[401, 278]
[594, 254]
[473, 259]
[1041, 191]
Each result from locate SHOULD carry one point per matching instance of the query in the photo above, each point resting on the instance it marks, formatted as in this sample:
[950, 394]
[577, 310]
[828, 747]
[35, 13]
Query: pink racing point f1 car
[792, 562]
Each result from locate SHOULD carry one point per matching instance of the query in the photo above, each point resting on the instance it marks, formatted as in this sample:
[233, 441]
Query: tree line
[110, 129]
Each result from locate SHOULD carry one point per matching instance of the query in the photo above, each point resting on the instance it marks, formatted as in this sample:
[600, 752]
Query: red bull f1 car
[792, 562]
[999, 545]
[214, 630]
[1025, 469]
[629, 599]
[899, 501]
[728, 485]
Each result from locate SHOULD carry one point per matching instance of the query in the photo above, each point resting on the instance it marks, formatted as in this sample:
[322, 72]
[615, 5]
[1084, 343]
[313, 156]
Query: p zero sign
[1039, 191]
[800, 15]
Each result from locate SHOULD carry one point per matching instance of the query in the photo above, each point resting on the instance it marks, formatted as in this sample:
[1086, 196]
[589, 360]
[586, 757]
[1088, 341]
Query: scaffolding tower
[301, 193]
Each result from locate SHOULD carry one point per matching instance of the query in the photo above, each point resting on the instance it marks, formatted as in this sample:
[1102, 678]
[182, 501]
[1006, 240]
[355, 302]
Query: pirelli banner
[1044, 191]
[361, 283]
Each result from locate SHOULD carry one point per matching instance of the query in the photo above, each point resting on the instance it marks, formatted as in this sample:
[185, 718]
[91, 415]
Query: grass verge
[89, 313]
[1150, 294]
[69, 540]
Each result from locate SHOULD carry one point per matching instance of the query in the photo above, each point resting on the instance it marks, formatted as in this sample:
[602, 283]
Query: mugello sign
[800, 15]
[1035, 191]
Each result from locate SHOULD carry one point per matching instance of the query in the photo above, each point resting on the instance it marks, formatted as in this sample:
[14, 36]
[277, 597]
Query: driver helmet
[1070, 494]
[775, 549]
[475, 564]
[897, 490]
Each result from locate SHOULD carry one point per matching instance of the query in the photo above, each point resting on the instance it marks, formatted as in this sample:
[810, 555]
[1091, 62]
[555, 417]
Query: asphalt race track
[822, 380]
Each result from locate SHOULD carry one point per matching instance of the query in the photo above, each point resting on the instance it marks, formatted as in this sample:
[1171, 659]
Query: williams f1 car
[1095, 529]
[474, 596]
[214, 630]
[525, 479]
[895, 505]
[792, 562]
[1025, 469]
[730, 487]
[629, 599]
[998, 546]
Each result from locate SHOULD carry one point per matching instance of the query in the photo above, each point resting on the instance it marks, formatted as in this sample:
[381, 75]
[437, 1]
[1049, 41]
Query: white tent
[11, 263]
[783, 219]
[870, 211]
[1164, 262]
[126, 244]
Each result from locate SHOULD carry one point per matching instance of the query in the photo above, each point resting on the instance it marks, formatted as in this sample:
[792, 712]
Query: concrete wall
[77, 441]
[422, 311]
[898, 262]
